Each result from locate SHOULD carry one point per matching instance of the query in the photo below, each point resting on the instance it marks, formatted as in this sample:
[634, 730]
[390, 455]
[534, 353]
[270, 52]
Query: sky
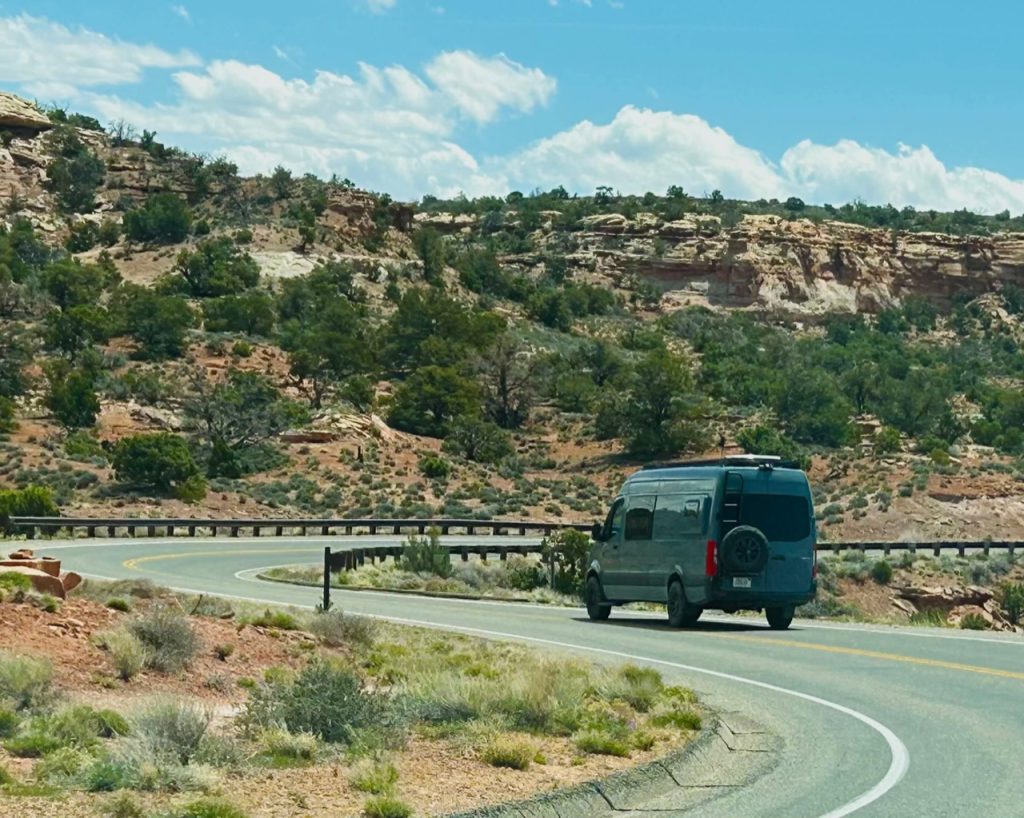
[897, 102]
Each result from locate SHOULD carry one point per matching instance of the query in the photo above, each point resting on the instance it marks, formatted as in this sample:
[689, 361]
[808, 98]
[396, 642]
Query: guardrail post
[327, 578]
[422, 529]
[348, 529]
[986, 548]
[325, 530]
[256, 530]
[373, 530]
[503, 553]
[936, 551]
[444, 530]
[396, 529]
[90, 531]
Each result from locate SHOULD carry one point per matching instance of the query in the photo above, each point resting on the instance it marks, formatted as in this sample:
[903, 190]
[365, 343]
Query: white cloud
[379, 6]
[642, 150]
[480, 86]
[44, 57]
[182, 12]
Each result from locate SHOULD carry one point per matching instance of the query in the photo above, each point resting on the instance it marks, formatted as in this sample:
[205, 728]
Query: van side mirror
[597, 532]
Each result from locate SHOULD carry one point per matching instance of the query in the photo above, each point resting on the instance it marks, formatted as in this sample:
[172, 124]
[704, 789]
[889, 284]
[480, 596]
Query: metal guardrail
[172, 526]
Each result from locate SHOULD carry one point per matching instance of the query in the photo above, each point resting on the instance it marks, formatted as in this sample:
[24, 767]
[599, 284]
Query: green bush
[974, 622]
[281, 744]
[26, 682]
[386, 806]
[569, 548]
[508, 752]
[74, 173]
[175, 729]
[681, 718]
[335, 628]
[427, 555]
[164, 218]
[434, 467]
[881, 572]
[639, 687]
[207, 808]
[61, 766]
[326, 699]
[1011, 598]
[20, 584]
[930, 617]
[478, 440]
[127, 652]
[168, 637]
[376, 778]
[9, 721]
[282, 620]
[31, 501]
[524, 574]
[158, 460]
[224, 651]
[598, 742]
[124, 805]
[116, 603]
[887, 441]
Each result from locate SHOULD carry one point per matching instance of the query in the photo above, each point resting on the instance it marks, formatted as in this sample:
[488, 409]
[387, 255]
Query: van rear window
[782, 517]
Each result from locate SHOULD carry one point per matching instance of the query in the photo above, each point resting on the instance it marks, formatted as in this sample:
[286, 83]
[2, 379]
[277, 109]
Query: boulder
[944, 597]
[43, 582]
[20, 116]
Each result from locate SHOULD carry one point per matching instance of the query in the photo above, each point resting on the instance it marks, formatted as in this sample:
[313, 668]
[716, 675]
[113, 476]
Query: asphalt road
[870, 720]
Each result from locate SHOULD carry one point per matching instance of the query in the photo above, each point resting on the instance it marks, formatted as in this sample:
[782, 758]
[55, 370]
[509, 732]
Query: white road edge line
[899, 755]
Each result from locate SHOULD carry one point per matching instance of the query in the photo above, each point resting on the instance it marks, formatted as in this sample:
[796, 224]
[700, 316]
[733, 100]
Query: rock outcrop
[21, 117]
[796, 268]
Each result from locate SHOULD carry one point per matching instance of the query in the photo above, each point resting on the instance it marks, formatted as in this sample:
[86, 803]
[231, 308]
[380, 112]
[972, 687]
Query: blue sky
[904, 102]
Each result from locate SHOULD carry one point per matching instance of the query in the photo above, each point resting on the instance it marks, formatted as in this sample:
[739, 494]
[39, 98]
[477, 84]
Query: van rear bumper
[743, 599]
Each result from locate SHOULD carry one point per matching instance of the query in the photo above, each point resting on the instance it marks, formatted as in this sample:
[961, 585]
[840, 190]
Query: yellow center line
[133, 564]
[875, 654]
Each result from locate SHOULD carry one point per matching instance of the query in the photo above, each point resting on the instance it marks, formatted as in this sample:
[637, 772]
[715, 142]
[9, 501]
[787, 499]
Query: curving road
[869, 720]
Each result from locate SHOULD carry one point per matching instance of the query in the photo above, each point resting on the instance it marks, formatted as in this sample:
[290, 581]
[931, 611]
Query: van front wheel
[592, 595]
[680, 613]
[779, 618]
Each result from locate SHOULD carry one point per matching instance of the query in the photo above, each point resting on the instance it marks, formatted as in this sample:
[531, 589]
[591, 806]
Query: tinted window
[640, 518]
[782, 517]
[677, 514]
[613, 525]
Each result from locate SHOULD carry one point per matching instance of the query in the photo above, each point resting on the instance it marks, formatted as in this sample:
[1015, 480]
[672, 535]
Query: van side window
[613, 523]
[677, 514]
[640, 518]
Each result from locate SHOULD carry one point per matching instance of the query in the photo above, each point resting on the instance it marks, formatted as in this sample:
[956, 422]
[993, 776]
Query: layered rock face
[799, 268]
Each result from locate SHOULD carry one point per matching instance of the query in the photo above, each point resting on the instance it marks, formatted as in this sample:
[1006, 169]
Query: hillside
[175, 338]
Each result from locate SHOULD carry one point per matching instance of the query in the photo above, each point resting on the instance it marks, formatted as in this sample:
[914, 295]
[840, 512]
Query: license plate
[741, 582]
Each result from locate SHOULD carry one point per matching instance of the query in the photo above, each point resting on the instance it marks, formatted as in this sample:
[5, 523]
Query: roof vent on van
[763, 461]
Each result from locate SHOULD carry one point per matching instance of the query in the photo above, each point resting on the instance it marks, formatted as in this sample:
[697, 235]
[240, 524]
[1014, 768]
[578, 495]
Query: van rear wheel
[680, 613]
[593, 596]
[779, 619]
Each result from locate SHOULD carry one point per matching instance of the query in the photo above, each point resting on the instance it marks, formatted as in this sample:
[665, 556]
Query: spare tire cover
[744, 550]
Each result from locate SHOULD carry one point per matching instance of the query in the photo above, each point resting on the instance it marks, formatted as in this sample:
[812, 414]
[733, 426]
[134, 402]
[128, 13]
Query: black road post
[327, 578]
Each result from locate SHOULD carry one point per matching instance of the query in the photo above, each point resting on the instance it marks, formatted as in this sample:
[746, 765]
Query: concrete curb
[620, 791]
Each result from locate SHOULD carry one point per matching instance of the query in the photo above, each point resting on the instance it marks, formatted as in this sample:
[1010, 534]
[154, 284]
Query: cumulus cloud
[480, 86]
[182, 12]
[44, 56]
[379, 6]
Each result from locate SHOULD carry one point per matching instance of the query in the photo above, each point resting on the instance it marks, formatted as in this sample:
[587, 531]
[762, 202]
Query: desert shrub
[1011, 598]
[427, 555]
[9, 721]
[127, 652]
[336, 628]
[172, 728]
[157, 460]
[61, 766]
[376, 778]
[887, 441]
[827, 606]
[931, 617]
[15, 582]
[282, 620]
[639, 687]
[681, 718]
[386, 806]
[507, 752]
[31, 501]
[224, 651]
[973, 622]
[978, 572]
[117, 603]
[281, 744]
[26, 682]
[326, 699]
[434, 467]
[78, 727]
[207, 808]
[164, 218]
[599, 742]
[569, 548]
[881, 572]
[170, 641]
[523, 574]
[124, 805]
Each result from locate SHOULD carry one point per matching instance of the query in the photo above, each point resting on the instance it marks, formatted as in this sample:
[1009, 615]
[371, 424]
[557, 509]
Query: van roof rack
[761, 460]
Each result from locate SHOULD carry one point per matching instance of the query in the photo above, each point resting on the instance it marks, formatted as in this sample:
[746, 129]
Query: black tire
[680, 613]
[744, 550]
[594, 596]
[779, 619]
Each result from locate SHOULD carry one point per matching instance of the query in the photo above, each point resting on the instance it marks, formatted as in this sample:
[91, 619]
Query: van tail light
[814, 564]
[711, 559]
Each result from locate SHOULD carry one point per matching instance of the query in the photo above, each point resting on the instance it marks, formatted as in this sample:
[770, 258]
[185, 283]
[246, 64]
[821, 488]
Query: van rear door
[786, 520]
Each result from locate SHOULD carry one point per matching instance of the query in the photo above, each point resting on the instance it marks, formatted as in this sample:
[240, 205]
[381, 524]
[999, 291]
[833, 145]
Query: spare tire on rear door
[744, 550]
